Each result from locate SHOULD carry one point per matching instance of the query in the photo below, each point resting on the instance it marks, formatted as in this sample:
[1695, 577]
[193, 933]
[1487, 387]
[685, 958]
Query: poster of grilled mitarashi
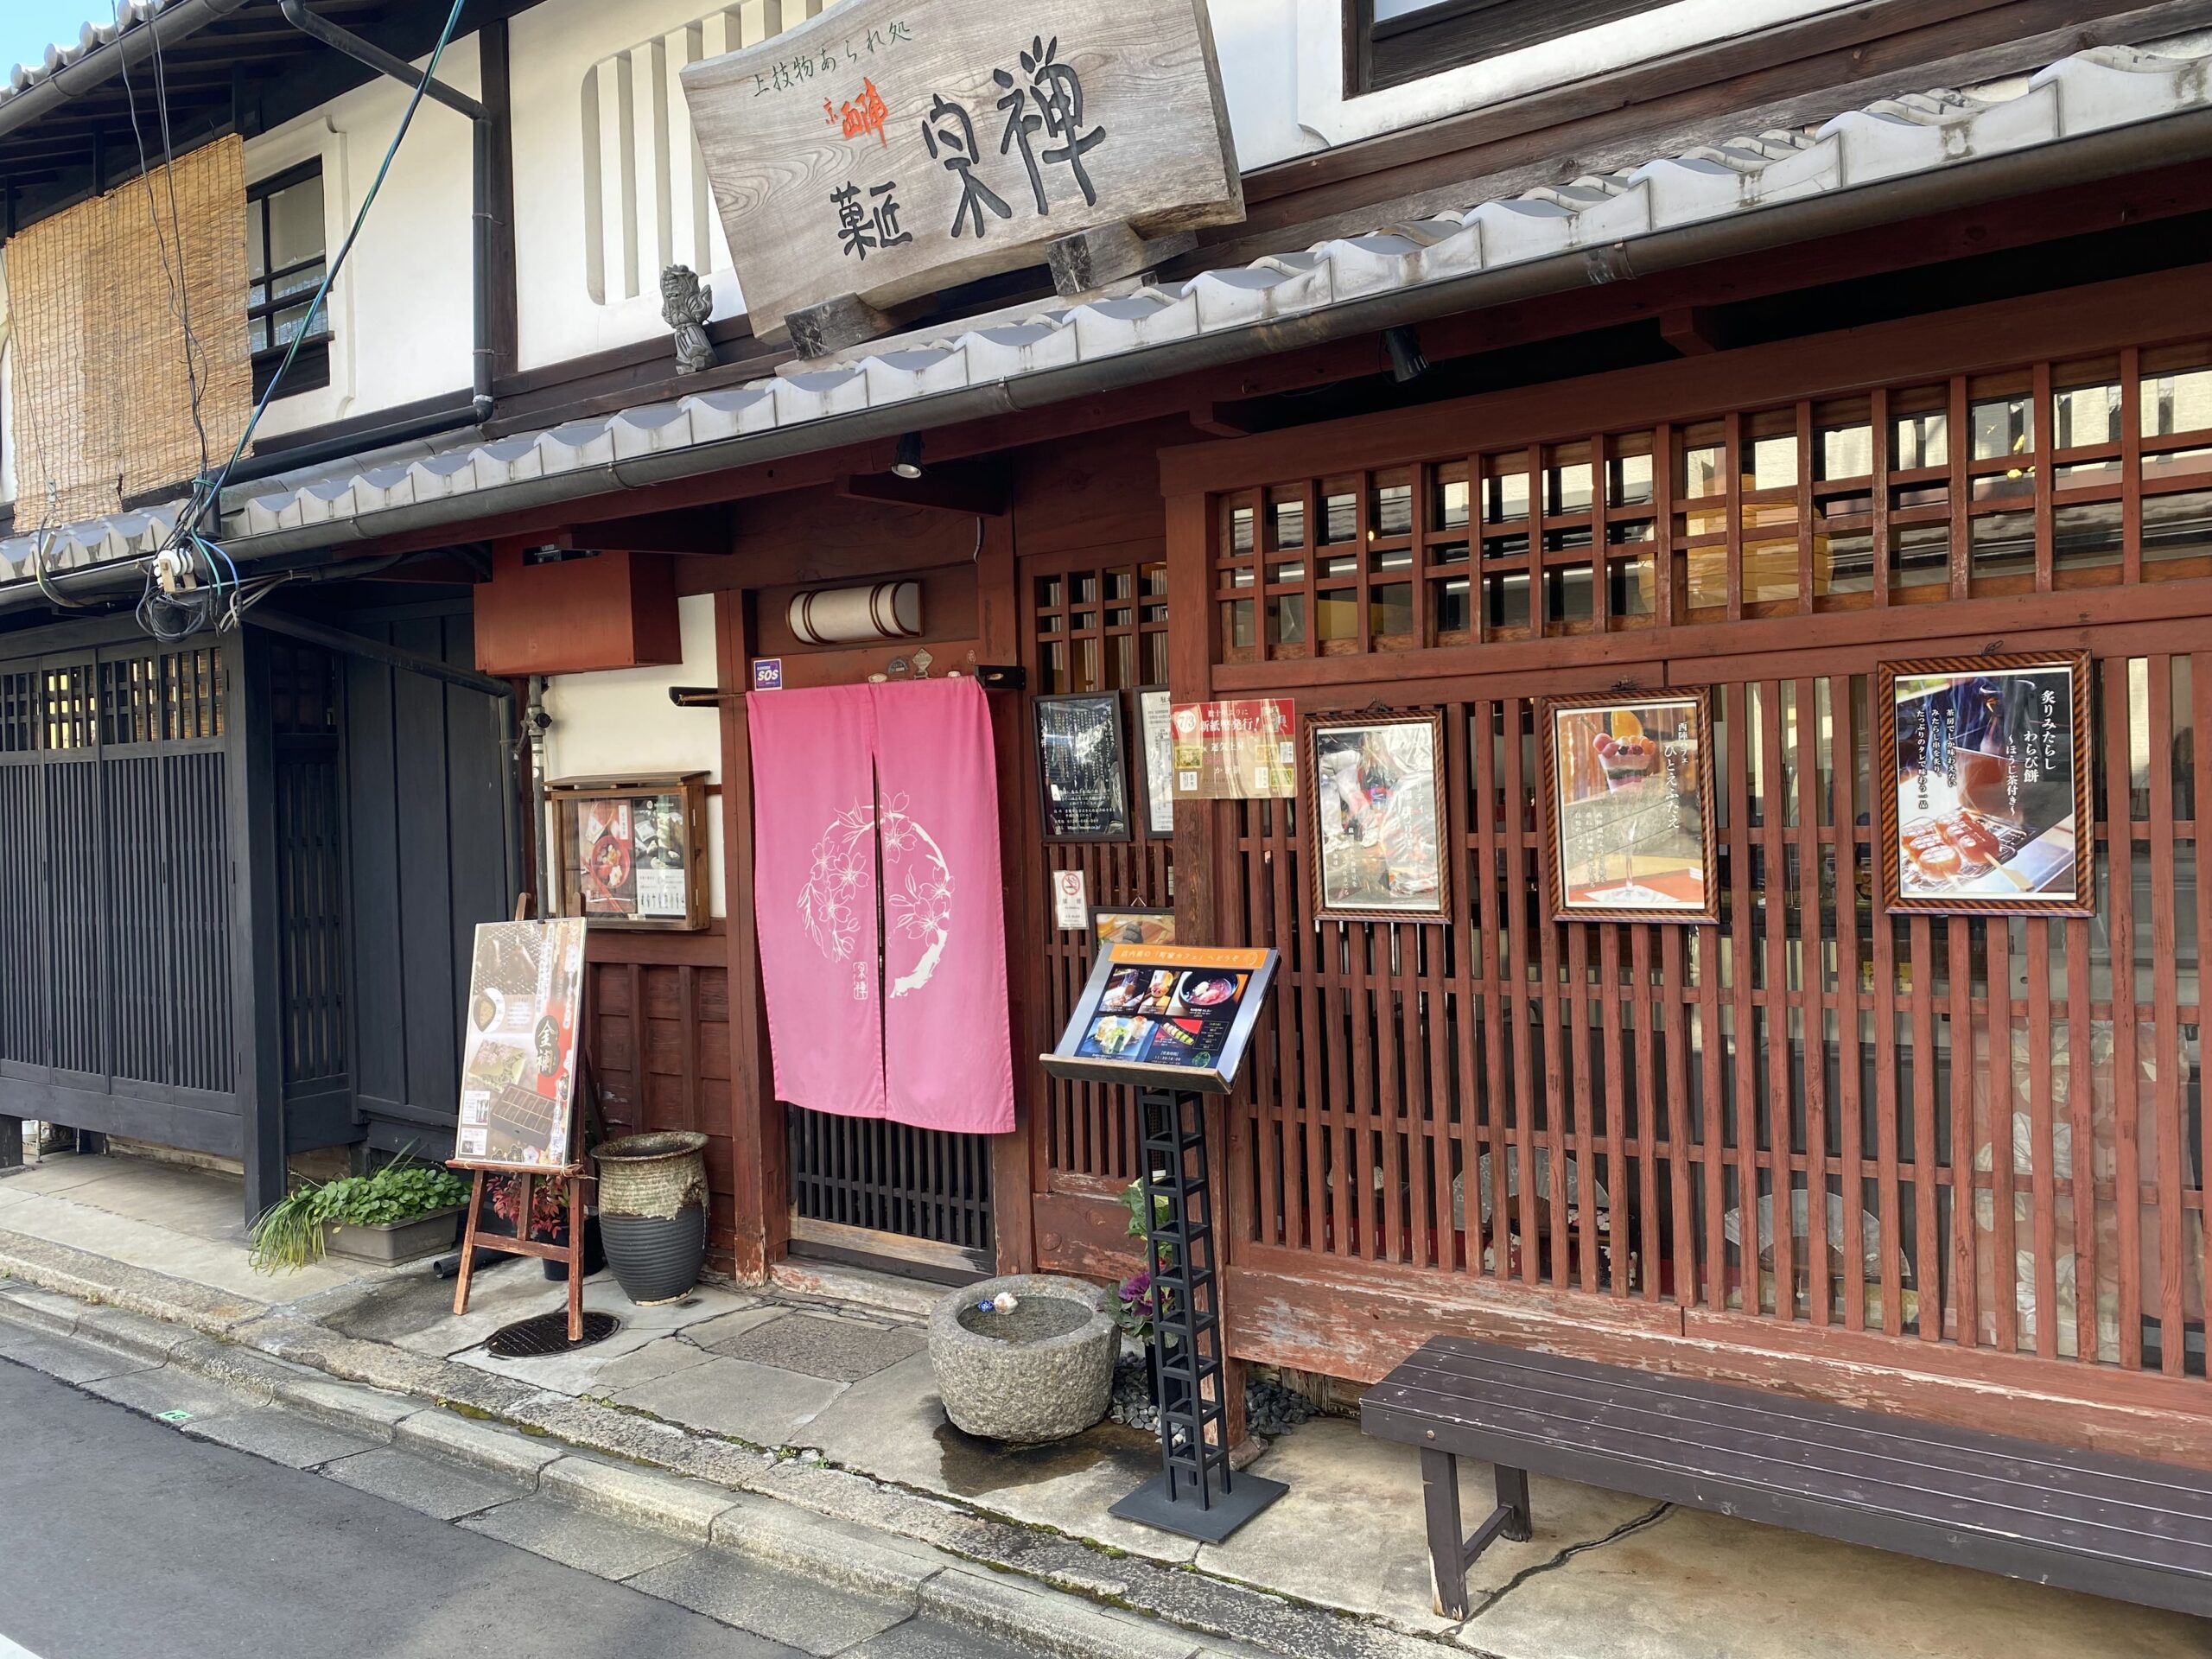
[1983, 785]
[519, 1047]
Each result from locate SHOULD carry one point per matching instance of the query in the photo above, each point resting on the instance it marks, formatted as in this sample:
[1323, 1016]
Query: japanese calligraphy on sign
[889, 150]
[1982, 784]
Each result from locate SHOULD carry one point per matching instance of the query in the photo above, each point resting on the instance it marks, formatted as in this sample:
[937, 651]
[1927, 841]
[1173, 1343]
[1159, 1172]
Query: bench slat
[2094, 1521]
[2041, 1484]
[2083, 1470]
[1538, 1437]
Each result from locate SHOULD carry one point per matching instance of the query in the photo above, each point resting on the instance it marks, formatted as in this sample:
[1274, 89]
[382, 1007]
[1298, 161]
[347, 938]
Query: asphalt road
[122, 1539]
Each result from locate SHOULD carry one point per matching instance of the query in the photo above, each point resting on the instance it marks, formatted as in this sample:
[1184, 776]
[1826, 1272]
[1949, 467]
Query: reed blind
[98, 293]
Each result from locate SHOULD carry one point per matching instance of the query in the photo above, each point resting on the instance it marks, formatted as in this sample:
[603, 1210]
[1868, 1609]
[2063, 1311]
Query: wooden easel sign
[518, 1071]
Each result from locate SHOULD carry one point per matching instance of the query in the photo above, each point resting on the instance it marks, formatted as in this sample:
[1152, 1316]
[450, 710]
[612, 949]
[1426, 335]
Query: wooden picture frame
[612, 810]
[1988, 844]
[1159, 785]
[1617, 794]
[1379, 824]
[1081, 795]
[1151, 924]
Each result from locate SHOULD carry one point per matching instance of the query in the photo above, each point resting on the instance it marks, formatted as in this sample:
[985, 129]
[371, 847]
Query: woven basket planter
[652, 1212]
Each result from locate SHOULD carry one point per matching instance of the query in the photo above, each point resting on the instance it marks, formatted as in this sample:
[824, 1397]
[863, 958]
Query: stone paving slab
[1720, 1588]
[837, 1350]
[758, 1403]
[435, 1486]
[280, 1437]
[588, 1542]
[74, 1362]
[728, 1587]
[160, 1388]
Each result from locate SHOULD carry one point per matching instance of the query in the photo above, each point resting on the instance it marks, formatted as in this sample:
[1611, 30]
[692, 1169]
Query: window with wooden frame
[285, 265]
[2054, 475]
[1389, 42]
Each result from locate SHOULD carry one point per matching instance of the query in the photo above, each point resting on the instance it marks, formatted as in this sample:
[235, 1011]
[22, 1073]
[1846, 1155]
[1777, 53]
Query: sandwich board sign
[887, 148]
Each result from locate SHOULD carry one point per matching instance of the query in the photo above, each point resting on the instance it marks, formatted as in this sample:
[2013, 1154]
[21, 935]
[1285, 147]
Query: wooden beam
[682, 530]
[1695, 330]
[1217, 420]
[970, 488]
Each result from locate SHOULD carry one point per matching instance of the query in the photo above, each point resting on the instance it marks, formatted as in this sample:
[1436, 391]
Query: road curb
[1046, 1590]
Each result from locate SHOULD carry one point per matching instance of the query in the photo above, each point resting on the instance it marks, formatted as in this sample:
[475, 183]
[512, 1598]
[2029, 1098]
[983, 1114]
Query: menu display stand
[1175, 1021]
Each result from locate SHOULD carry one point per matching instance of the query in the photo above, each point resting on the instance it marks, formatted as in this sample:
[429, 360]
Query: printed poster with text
[518, 1044]
[1241, 750]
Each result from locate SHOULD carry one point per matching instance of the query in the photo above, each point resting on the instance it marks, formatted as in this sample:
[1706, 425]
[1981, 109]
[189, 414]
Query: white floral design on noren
[918, 891]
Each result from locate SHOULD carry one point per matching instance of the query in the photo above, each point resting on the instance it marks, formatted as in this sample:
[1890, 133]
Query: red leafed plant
[548, 1203]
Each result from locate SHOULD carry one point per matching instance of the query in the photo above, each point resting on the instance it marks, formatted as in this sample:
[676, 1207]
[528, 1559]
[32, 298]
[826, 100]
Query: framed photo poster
[1132, 925]
[1981, 786]
[1625, 780]
[1156, 734]
[1080, 769]
[633, 850]
[1378, 817]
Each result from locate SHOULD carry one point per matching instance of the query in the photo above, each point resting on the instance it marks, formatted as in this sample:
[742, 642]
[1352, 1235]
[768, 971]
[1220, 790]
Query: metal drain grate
[548, 1333]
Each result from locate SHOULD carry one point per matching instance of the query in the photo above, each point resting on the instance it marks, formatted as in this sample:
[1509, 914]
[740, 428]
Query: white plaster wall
[552, 46]
[401, 307]
[621, 721]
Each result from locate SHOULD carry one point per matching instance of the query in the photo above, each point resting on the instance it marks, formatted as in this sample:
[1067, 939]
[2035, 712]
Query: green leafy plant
[291, 1232]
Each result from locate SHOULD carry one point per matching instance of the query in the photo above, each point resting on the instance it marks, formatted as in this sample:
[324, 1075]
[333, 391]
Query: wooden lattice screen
[96, 294]
[1966, 1132]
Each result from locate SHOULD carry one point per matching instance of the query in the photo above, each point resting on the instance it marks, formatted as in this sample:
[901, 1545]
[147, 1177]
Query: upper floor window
[1389, 42]
[284, 265]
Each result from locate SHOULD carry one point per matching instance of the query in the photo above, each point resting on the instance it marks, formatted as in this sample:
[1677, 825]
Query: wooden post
[757, 1152]
[11, 1142]
[1013, 1156]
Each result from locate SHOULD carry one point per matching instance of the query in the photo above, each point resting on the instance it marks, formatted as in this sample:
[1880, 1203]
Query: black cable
[184, 282]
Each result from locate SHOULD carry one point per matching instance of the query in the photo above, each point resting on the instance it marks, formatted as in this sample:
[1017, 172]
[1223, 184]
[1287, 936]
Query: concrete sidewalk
[815, 1390]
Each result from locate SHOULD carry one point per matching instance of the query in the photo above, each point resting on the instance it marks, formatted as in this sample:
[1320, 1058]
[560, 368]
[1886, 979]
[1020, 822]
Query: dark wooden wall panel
[429, 822]
[657, 1042]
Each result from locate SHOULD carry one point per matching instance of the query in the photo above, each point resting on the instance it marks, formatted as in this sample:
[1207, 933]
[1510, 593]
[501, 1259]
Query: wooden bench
[2113, 1526]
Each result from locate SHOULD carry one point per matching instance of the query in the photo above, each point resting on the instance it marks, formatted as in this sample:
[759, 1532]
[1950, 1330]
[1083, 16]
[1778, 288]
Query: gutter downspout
[375, 57]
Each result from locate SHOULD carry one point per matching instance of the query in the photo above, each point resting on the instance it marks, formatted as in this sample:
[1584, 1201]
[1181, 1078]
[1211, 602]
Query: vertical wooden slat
[2042, 1177]
[2166, 1095]
[2083, 1143]
[1807, 744]
[1518, 875]
[1843, 825]
[1617, 1157]
[1504, 1132]
[1964, 1228]
[1584, 1137]
[1648, 1137]
[2112, 751]
[2003, 1163]
[1742, 954]
[2200, 694]
[1929, 1271]
[1674, 1035]
[1774, 806]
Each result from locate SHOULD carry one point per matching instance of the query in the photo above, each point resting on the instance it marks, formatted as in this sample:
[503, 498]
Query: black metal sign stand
[1195, 1493]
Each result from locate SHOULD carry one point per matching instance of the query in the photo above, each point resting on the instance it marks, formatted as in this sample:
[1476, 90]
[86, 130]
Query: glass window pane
[1340, 510]
[2177, 526]
[1390, 608]
[2084, 415]
[1451, 604]
[1505, 490]
[2001, 545]
[1336, 615]
[2085, 537]
[257, 251]
[1920, 438]
[1448, 507]
[2002, 426]
[1240, 530]
[303, 281]
[1286, 620]
[1286, 519]
[1567, 480]
[296, 223]
[1770, 463]
[1392, 506]
[2180, 401]
[1920, 556]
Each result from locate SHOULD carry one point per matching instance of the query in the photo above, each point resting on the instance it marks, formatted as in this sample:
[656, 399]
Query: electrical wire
[176, 604]
[175, 275]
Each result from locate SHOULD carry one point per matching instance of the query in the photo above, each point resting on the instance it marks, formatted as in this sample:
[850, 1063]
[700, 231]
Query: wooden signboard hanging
[886, 150]
[519, 1088]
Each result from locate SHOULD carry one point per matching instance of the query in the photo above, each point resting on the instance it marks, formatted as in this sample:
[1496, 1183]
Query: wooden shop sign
[888, 149]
